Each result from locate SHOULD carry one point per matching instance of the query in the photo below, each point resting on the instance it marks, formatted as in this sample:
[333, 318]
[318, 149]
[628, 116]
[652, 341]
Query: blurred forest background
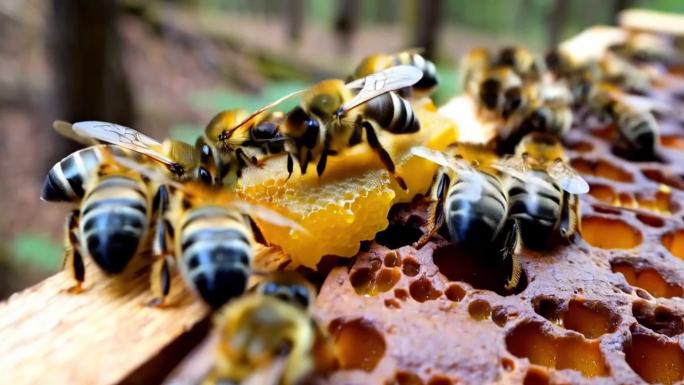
[166, 67]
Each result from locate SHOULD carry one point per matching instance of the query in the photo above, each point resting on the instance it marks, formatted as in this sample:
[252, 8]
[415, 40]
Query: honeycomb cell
[650, 220]
[667, 179]
[536, 376]
[397, 235]
[455, 292]
[531, 341]
[392, 303]
[392, 259]
[507, 364]
[674, 241]
[482, 272]
[602, 169]
[350, 202]
[479, 310]
[610, 233]
[358, 343]
[407, 378]
[648, 279]
[658, 318]
[672, 141]
[410, 267]
[368, 282]
[401, 294]
[440, 380]
[604, 193]
[591, 319]
[660, 202]
[657, 360]
[500, 316]
[422, 290]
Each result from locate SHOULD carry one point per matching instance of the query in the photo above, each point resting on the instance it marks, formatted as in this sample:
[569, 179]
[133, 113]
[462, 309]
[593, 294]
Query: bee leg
[290, 165]
[511, 251]
[320, 167]
[385, 158]
[72, 257]
[435, 218]
[569, 214]
[160, 278]
[304, 159]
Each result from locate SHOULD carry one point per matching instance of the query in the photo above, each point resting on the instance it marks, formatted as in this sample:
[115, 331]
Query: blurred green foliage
[37, 249]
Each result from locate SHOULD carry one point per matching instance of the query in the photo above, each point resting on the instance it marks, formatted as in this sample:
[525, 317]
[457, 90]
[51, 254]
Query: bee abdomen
[216, 260]
[393, 113]
[113, 228]
[66, 180]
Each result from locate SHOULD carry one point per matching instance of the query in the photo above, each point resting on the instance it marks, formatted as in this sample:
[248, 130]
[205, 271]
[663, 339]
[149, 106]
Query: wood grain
[104, 335]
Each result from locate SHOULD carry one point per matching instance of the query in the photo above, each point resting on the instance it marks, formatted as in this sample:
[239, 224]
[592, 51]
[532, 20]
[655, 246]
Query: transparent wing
[439, 158]
[513, 165]
[567, 177]
[376, 84]
[264, 108]
[153, 173]
[266, 214]
[66, 130]
[122, 136]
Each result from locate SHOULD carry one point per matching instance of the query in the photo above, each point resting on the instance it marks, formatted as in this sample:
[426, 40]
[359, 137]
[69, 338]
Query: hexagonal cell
[530, 340]
[648, 279]
[672, 141]
[455, 292]
[665, 178]
[536, 376]
[369, 278]
[422, 290]
[590, 318]
[479, 310]
[440, 379]
[403, 377]
[658, 318]
[657, 360]
[397, 234]
[674, 241]
[650, 220]
[601, 169]
[359, 344]
[660, 202]
[410, 267]
[610, 233]
[604, 193]
[482, 272]
[392, 259]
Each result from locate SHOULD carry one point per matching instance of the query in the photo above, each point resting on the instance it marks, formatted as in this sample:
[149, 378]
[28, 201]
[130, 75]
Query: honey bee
[471, 198]
[523, 62]
[376, 63]
[543, 191]
[210, 236]
[270, 336]
[638, 133]
[111, 223]
[331, 117]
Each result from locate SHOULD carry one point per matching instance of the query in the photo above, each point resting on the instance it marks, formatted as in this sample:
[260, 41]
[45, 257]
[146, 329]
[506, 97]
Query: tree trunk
[89, 77]
[427, 26]
[557, 17]
[346, 23]
[295, 19]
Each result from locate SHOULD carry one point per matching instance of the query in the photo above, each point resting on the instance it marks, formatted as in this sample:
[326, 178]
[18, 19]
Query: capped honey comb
[350, 202]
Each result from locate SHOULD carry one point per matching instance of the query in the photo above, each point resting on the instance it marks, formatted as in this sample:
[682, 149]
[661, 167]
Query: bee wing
[66, 130]
[153, 173]
[264, 108]
[512, 165]
[266, 214]
[272, 374]
[122, 136]
[376, 84]
[569, 179]
[439, 158]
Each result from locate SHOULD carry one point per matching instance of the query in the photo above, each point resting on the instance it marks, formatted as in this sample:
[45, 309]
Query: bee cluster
[493, 200]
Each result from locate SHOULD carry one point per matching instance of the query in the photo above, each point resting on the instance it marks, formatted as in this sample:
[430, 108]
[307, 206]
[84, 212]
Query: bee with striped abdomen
[209, 233]
[270, 336]
[334, 116]
[543, 191]
[470, 197]
[379, 62]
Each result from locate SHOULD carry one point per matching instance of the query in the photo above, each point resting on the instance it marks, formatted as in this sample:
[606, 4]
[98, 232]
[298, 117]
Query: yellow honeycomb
[350, 202]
